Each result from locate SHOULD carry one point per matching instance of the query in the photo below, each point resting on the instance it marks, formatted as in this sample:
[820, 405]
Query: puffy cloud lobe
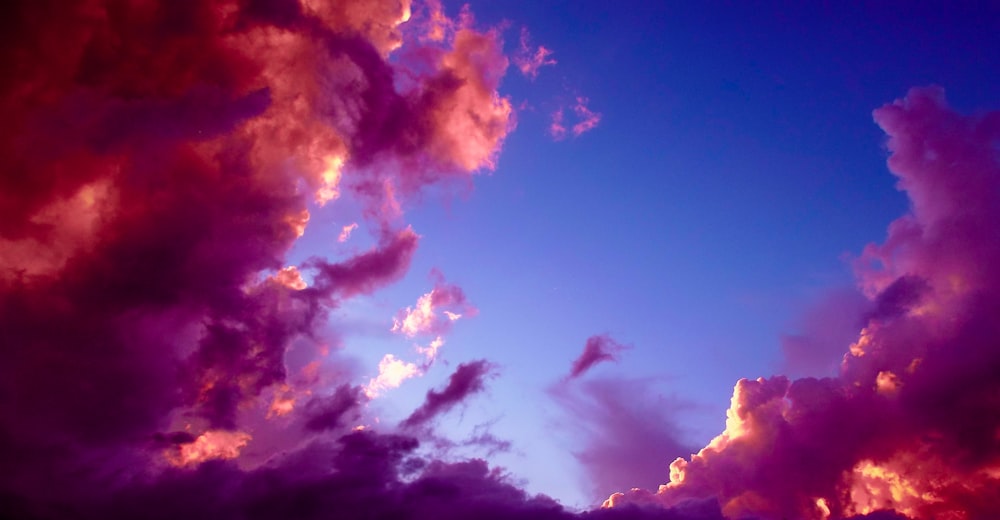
[469, 378]
[909, 428]
[597, 349]
[212, 444]
[391, 373]
[435, 311]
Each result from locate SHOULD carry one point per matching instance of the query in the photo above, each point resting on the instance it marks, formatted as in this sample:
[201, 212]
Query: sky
[519, 259]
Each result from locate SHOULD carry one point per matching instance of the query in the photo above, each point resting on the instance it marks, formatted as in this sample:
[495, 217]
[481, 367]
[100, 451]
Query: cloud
[366, 272]
[597, 349]
[556, 128]
[329, 412]
[391, 373]
[434, 312]
[908, 428]
[468, 378]
[629, 433]
[528, 61]
[816, 347]
[345, 232]
[159, 162]
[586, 119]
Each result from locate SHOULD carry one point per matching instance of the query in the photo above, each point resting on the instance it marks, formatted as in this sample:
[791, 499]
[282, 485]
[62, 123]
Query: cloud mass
[162, 357]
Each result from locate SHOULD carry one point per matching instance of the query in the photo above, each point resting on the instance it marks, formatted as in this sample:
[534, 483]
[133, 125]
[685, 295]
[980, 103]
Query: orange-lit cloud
[213, 444]
[290, 277]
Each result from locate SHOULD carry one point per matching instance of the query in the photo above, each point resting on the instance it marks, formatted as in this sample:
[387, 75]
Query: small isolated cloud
[345, 232]
[597, 349]
[556, 128]
[468, 378]
[364, 273]
[528, 61]
[585, 119]
[588, 119]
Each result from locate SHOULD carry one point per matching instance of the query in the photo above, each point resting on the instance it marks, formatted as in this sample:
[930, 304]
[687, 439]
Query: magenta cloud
[597, 349]
[468, 379]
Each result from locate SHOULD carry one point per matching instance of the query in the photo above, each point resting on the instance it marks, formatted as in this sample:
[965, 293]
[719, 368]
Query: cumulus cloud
[908, 428]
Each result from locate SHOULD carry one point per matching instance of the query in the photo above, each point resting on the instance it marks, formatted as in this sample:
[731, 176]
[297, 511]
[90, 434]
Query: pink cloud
[556, 128]
[528, 61]
[345, 232]
[585, 120]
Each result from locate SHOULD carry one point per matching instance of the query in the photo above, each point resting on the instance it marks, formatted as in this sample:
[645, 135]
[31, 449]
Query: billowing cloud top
[911, 423]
